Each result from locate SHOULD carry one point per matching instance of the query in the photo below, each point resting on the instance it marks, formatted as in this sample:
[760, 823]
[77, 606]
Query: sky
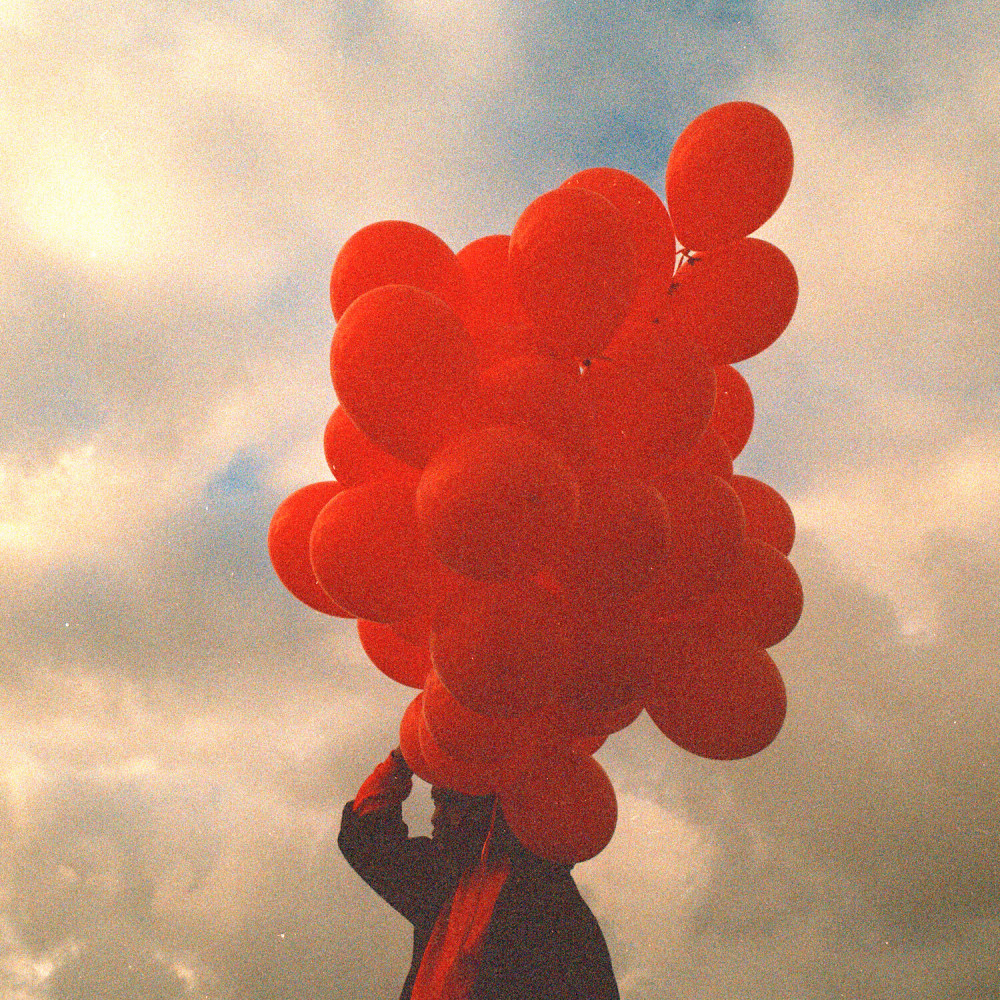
[179, 734]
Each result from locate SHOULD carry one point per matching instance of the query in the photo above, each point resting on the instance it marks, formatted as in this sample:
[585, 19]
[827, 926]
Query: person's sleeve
[386, 787]
[405, 871]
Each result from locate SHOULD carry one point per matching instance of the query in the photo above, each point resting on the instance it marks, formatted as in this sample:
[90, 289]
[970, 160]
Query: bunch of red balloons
[534, 515]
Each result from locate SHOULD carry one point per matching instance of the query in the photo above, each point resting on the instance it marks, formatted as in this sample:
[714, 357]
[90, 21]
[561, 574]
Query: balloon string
[687, 257]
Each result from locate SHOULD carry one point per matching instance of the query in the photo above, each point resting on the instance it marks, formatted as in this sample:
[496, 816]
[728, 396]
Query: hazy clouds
[179, 735]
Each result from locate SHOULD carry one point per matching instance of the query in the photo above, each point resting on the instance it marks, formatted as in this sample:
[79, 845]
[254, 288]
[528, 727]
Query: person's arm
[386, 788]
[405, 871]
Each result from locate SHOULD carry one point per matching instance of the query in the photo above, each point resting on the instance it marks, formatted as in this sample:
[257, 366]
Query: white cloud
[668, 861]
[162, 196]
[887, 368]
[877, 520]
[87, 173]
[20, 15]
[475, 38]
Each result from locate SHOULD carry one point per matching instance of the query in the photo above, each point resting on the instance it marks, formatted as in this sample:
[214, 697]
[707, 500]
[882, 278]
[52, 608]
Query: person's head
[460, 823]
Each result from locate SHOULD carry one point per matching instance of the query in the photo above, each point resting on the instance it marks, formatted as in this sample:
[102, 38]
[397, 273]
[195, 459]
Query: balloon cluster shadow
[534, 514]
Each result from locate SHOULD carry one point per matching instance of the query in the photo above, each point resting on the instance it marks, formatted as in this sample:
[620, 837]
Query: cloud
[858, 848]
[874, 410]
[144, 844]
[179, 733]
[646, 920]
[173, 208]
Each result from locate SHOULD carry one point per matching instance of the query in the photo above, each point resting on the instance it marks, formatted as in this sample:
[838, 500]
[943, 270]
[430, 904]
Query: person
[491, 920]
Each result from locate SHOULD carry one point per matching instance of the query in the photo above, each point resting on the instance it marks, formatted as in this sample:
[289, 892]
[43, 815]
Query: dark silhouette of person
[491, 920]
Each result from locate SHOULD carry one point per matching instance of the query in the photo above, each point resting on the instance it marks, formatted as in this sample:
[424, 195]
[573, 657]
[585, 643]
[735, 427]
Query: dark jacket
[543, 942]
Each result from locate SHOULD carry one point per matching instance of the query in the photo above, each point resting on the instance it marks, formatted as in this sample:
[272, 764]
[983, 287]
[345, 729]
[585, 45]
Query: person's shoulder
[549, 874]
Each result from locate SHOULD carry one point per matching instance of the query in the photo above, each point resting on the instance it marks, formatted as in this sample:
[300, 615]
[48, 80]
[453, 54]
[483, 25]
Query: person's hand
[386, 786]
[397, 756]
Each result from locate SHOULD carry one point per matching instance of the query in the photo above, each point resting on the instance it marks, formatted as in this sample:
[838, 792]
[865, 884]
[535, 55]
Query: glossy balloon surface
[404, 369]
[395, 252]
[727, 174]
[288, 545]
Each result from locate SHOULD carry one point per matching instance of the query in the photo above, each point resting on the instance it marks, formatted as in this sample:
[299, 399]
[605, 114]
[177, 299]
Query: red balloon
[496, 646]
[715, 695]
[466, 735]
[496, 502]
[520, 650]
[735, 301]
[392, 252]
[708, 534]
[493, 314]
[409, 739]
[400, 661]
[587, 745]
[404, 369]
[368, 554]
[603, 656]
[563, 808]
[460, 776]
[644, 214]
[353, 459]
[544, 395]
[768, 515]
[416, 629]
[709, 457]
[573, 266]
[651, 397]
[593, 726]
[732, 417]
[762, 596]
[288, 545]
[619, 539]
[727, 174]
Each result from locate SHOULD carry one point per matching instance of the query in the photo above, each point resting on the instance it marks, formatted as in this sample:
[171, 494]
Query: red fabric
[542, 941]
[454, 952]
[387, 786]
